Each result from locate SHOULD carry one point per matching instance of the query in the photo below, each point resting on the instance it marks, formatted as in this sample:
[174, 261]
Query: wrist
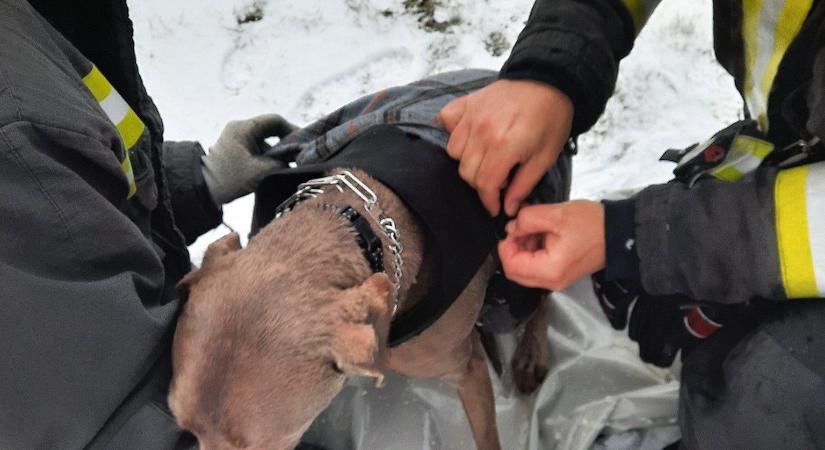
[563, 86]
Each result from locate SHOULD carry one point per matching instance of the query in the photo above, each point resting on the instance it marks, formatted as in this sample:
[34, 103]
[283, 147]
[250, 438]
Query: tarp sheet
[598, 394]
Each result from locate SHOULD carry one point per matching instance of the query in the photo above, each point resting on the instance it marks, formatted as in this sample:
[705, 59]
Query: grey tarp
[597, 385]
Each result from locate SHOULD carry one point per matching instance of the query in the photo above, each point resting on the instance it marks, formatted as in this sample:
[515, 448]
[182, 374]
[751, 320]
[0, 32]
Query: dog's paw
[531, 363]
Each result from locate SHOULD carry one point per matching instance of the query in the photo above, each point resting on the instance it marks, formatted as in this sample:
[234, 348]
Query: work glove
[661, 325]
[235, 166]
[615, 298]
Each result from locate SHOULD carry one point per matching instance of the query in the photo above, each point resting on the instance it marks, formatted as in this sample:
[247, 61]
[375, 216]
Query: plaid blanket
[413, 108]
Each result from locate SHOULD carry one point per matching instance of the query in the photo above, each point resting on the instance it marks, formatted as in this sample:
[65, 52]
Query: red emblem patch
[714, 153]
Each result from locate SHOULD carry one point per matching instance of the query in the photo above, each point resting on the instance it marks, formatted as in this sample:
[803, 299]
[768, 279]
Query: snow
[204, 67]
[303, 59]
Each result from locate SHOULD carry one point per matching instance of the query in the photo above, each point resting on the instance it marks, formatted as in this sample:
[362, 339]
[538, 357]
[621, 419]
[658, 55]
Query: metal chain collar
[345, 179]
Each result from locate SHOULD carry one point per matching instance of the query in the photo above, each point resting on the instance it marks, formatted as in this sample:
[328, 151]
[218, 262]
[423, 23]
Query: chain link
[397, 250]
[312, 189]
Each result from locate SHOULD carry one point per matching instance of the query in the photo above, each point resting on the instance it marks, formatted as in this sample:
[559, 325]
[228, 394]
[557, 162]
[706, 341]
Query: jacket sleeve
[575, 46]
[195, 211]
[730, 242]
[84, 315]
[816, 94]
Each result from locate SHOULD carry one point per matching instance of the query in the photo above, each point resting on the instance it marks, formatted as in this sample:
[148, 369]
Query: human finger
[458, 140]
[471, 158]
[520, 269]
[491, 177]
[536, 219]
[452, 113]
[526, 178]
[531, 242]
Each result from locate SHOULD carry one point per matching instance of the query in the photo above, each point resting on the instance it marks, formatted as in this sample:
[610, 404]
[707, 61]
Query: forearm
[195, 211]
[730, 242]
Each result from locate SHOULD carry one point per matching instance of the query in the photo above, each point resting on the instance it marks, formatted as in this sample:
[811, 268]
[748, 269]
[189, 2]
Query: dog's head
[261, 349]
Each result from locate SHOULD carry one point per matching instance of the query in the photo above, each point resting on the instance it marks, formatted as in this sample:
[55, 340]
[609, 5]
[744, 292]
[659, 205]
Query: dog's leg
[488, 341]
[531, 361]
[476, 395]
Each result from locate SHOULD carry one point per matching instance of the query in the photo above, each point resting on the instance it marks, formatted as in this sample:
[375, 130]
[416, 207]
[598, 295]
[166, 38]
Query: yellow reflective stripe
[130, 128]
[768, 28]
[795, 258]
[727, 173]
[759, 23]
[128, 124]
[97, 84]
[126, 167]
[745, 155]
[637, 12]
[787, 27]
[640, 11]
[752, 146]
[750, 20]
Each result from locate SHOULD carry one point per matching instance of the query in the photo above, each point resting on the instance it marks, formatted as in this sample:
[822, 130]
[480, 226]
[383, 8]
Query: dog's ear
[360, 347]
[356, 351]
[223, 246]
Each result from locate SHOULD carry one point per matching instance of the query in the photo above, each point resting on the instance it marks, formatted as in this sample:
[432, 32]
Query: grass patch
[251, 13]
[496, 44]
[424, 10]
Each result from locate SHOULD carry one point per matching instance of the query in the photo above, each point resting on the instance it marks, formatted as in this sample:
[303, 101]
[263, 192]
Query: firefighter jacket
[753, 231]
[91, 250]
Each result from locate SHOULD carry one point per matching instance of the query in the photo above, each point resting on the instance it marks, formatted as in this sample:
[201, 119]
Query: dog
[270, 332]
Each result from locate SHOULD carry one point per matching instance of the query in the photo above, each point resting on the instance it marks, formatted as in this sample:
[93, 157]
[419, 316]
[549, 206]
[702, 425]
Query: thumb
[452, 113]
[535, 219]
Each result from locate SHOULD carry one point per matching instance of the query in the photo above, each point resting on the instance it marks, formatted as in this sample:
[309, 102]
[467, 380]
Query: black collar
[370, 243]
[459, 231]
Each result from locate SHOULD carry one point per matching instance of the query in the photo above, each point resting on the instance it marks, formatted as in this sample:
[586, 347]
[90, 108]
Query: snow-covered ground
[303, 59]
[205, 63]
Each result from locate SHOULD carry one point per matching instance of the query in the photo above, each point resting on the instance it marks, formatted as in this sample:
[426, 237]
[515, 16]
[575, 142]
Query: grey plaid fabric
[413, 108]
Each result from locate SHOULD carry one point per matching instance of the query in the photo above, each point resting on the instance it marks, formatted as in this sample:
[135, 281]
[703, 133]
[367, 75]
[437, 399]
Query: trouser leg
[761, 387]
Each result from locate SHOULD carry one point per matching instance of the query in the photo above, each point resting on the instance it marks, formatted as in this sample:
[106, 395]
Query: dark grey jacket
[750, 385]
[718, 241]
[87, 270]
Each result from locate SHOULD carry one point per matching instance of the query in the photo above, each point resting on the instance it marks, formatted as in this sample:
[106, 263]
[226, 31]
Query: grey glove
[234, 165]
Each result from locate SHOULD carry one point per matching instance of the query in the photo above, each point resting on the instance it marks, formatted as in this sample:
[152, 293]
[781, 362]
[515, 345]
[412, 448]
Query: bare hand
[552, 246]
[507, 123]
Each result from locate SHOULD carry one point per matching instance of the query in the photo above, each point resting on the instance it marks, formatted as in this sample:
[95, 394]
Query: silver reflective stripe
[815, 196]
[128, 124]
[745, 155]
[115, 107]
[768, 28]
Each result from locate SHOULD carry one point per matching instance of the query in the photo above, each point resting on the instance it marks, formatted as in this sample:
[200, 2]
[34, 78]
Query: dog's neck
[322, 240]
